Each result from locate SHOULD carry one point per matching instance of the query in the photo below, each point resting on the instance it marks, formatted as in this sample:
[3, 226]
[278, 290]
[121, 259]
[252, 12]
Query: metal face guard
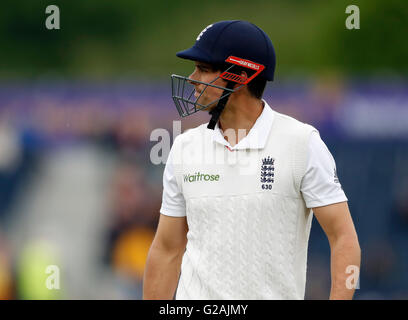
[183, 94]
[183, 89]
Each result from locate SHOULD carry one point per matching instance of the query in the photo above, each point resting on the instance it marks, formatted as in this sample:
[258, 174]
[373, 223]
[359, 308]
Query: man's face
[204, 72]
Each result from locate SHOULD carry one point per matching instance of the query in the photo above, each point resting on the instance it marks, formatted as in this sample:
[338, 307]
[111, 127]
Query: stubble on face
[204, 73]
[208, 108]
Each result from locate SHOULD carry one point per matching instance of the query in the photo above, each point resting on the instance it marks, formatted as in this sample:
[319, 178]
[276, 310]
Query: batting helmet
[233, 42]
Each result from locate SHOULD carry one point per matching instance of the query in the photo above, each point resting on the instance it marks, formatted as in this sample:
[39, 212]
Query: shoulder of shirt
[292, 125]
[192, 133]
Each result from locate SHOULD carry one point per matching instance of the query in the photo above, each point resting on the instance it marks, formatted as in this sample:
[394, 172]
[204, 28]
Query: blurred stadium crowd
[78, 189]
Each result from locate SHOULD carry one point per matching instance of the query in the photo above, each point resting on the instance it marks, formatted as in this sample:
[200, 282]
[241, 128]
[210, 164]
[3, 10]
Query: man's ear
[244, 74]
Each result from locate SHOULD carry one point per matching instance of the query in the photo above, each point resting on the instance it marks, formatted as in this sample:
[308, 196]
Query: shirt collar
[257, 136]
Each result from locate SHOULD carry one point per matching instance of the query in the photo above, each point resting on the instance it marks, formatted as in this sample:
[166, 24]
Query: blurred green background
[100, 38]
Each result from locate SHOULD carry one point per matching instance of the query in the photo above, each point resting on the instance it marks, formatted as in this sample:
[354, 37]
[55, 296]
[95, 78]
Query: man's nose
[193, 77]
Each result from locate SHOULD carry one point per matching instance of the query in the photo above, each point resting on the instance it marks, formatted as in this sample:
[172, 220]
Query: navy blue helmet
[229, 43]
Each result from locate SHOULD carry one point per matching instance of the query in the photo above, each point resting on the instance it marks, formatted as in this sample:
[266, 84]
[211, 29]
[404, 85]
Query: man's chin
[209, 108]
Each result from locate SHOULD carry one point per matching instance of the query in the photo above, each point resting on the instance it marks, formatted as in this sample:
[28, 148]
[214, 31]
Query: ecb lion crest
[267, 173]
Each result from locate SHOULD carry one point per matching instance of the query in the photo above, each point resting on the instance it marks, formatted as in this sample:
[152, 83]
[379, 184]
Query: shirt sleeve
[320, 185]
[173, 202]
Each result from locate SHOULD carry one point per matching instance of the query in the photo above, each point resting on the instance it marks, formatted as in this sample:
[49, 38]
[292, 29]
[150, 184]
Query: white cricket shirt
[320, 185]
[248, 207]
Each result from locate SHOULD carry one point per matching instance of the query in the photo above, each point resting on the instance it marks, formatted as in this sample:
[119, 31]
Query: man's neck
[238, 118]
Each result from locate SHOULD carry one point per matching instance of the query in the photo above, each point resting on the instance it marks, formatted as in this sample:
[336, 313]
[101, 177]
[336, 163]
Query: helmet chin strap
[216, 112]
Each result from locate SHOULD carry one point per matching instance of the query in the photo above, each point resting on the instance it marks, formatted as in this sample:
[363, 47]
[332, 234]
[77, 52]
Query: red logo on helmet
[258, 68]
